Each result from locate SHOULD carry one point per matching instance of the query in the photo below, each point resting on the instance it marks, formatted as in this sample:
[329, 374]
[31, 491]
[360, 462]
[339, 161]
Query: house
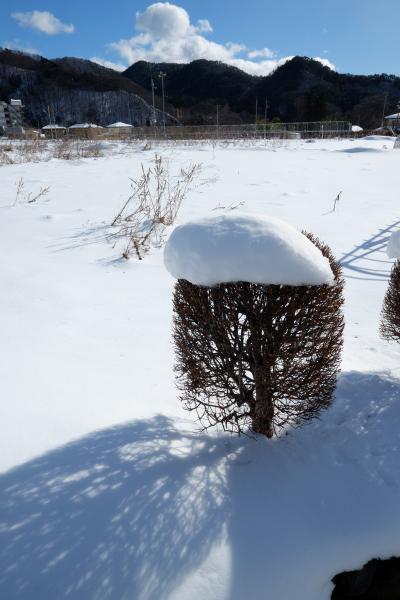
[393, 121]
[85, 130]
[11, 117]
[54, 131]
[119, 129]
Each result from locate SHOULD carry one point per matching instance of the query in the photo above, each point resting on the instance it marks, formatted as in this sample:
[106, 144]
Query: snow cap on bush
[242, 247]
[393, 247]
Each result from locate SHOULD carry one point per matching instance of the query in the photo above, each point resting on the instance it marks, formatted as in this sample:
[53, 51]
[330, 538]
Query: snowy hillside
[108, 490]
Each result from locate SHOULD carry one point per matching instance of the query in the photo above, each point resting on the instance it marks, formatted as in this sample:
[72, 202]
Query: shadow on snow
[130, 511]
[373, 252]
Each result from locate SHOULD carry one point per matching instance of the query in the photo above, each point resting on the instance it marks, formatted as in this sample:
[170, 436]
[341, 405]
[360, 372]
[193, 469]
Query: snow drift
[243, 247]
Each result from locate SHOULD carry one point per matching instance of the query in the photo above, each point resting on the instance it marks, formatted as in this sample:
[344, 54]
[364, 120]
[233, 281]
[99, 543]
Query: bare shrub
[71, 149]
[5, 159]
[64, 150]
[152, 207]
[91, 150]
[390, 321]
[28, 197]
[30, 150]
[258, 356]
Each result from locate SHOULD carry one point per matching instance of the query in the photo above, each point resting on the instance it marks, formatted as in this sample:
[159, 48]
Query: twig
[20, 187]
[336, 201]
[42, 192]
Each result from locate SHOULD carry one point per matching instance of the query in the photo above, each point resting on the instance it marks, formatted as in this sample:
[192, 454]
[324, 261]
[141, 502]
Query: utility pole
[162, 76]
[129, 112]
[265, 116]
[255, 123]
[52, 132]
[217, 121]
[384, 110]
[153, 87]
[398, 116]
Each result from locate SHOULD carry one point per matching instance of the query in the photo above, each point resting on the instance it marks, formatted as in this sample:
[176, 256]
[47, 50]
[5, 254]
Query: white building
[11, 117]
[393, 121]
[52, 130]
[85, 130]
[119, 127]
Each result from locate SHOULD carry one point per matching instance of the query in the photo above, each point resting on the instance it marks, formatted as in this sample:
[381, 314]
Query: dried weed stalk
[152, 206]
[5, 159]
[29, 197]
[70, 149]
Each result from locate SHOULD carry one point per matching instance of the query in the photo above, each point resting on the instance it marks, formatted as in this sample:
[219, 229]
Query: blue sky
[356, 36]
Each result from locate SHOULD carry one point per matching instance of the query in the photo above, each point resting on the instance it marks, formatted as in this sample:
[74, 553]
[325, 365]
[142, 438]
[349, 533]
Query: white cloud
[165, 34]
[164, 20]
[21, 46]
[204, 26]
[108, 63]
[263, 53]
[325, 62]
[43, 21]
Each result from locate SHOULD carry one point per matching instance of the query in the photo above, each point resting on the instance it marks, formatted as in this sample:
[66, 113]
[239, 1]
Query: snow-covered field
[108, 490]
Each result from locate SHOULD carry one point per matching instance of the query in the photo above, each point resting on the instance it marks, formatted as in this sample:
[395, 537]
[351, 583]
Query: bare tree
[258, 356]
[390, 322]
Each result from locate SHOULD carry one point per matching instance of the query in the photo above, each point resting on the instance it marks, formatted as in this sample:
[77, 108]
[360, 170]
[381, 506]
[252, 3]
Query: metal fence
[259, 131]
[314, 129]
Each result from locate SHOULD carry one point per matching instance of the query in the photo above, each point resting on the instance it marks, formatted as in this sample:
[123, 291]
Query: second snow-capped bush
[256, 355]
[390, 322]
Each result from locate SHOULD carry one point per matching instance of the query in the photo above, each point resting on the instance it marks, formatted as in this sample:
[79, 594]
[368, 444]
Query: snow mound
[377, 138]
[242, 247]
[360, 149]
[393, 247]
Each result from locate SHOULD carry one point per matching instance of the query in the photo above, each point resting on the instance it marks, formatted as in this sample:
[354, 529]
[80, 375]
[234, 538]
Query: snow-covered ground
[108, 490]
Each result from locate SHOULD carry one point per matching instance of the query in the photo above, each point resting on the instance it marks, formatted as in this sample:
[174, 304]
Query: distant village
[12, 124]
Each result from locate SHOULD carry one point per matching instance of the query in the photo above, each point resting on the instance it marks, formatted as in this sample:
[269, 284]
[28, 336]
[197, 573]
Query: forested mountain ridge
[300, 90]
[74, 90]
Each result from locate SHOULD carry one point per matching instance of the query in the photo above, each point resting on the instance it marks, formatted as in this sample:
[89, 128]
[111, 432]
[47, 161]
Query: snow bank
[242, 247]
[360, 149]
[393, 247]
[377, 138]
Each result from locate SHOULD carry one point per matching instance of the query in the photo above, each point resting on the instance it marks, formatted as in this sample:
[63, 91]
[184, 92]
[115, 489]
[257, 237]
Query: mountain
[74, 90]
[300, 90]
[196, 88]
